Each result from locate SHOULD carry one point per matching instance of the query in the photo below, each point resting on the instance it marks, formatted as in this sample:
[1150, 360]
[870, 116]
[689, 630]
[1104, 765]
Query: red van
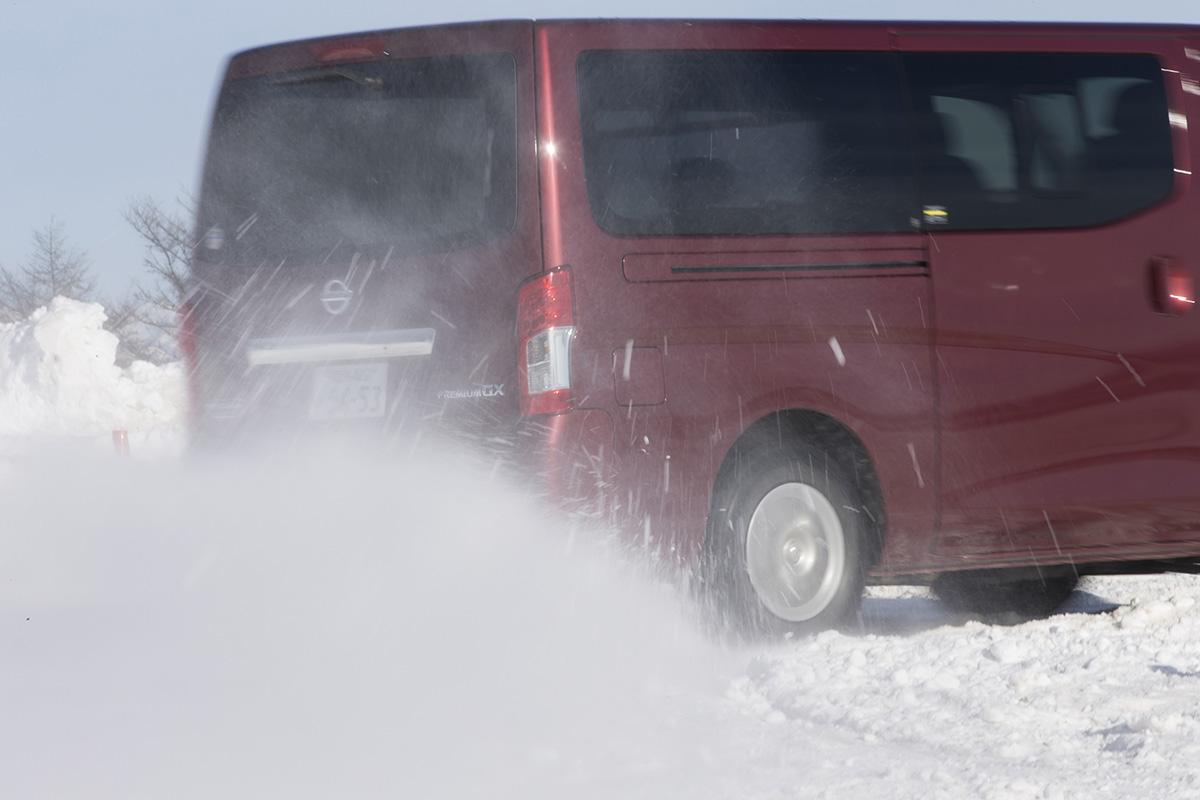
[804, 305]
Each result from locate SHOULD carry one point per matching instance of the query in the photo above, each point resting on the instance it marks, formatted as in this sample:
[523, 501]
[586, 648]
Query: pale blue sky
[108, 99]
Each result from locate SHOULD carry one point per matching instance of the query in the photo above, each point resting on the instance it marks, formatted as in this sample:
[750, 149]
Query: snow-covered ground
[1100, 700]
[333, 625]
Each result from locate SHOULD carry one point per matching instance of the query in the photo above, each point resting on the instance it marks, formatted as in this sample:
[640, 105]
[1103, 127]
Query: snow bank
[58, 377]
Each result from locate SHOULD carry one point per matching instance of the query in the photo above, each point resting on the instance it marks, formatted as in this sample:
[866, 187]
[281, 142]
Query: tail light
[1174, 289]
[187, 346]
[545, 328]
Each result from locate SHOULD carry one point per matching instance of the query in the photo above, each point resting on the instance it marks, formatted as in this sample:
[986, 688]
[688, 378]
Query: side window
[978, 134]
[731, 142]
[1012, 140]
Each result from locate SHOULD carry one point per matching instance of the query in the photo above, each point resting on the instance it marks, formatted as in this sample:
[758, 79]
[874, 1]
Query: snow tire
[1001, 598]
[818, 581]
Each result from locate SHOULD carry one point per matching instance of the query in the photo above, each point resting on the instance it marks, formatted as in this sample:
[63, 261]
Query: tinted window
[721, 142]
[1038, 140]
[406, 155]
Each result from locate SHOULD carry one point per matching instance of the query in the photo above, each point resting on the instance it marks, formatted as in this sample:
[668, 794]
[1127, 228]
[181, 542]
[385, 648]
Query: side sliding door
[1055, 192]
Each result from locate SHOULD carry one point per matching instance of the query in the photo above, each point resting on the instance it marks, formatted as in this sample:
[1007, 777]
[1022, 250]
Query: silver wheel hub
[795, 551]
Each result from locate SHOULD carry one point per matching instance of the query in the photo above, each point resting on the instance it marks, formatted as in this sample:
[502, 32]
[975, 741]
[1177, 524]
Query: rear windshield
[404, 156]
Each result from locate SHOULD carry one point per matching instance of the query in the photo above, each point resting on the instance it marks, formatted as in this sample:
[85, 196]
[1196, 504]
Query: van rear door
[1055, 189]
[366, 217]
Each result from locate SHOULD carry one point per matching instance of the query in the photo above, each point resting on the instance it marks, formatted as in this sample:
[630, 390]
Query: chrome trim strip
[340, 347]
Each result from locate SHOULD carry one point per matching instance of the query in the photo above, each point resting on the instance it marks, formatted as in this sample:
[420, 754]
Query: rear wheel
[1004, 596]
[786, 544]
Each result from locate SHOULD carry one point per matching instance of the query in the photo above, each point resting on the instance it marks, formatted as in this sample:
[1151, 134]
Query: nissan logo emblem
[336, 297]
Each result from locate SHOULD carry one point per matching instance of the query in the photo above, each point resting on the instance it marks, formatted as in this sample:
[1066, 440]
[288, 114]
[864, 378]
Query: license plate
[348, 391]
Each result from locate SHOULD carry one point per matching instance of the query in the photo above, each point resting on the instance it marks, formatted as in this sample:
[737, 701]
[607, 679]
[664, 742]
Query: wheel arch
[817, 429]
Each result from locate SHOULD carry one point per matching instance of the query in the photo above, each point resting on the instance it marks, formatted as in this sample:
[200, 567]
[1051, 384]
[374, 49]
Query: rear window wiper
[329, 74]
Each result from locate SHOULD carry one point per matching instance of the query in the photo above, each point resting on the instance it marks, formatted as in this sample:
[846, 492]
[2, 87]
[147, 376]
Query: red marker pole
[121, 442]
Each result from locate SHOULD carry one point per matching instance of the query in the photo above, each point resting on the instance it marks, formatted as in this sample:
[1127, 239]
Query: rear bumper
[566, 459]
[571, 456]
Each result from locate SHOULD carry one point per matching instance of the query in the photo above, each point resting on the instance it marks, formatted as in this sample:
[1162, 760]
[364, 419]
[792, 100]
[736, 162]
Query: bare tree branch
[53, 268]
[168, 248]
[146, 320]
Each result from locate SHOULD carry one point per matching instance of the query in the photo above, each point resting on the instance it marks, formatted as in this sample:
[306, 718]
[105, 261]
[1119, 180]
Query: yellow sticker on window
[936, 215]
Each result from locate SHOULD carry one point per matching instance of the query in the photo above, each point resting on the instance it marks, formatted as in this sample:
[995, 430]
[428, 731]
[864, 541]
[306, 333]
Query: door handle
[1172, 286]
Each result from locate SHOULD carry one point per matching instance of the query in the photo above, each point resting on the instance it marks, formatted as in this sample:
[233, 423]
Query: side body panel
[688, 340]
